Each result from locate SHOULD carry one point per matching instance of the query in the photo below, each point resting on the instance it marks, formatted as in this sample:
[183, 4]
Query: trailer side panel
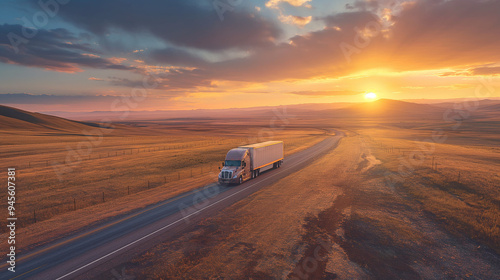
[265, 153]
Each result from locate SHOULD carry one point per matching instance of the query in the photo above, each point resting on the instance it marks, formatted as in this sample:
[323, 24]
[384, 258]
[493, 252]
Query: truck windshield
[232, 163]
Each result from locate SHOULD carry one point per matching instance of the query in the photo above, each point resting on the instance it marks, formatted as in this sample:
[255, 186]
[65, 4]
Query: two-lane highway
[79, 254]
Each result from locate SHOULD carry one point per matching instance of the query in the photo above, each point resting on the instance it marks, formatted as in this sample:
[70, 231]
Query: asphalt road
[82, 253]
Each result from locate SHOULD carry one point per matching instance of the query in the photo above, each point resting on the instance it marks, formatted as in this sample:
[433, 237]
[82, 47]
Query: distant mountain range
[387, 108]
[197, 113]
[379, 108]
[12, 118]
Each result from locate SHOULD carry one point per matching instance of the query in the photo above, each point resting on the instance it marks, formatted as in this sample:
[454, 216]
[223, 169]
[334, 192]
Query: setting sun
[370, 96]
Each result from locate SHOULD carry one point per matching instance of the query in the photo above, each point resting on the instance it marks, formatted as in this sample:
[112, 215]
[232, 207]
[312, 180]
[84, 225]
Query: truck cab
[236, 167]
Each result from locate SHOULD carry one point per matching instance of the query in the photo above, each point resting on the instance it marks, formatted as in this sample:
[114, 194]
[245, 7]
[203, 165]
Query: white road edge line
[169, 225]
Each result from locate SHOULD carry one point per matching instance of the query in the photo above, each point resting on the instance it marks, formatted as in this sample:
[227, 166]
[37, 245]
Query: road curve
[80, 254]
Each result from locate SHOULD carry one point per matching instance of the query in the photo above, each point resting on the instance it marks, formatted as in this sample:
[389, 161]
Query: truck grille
[226, 174]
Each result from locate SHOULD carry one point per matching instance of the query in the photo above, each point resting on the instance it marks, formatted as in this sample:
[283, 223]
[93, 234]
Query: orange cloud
[474, 71]
[326, 92]
[296, 20]
[295, 3]
[117, 60]
[90, 55]
[68, 68]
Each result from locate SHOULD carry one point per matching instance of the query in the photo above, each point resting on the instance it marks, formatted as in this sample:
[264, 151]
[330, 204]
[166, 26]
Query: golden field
[375, 207]
[115, 171]
[401, 197]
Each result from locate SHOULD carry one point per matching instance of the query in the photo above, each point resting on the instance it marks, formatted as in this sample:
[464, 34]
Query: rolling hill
[17, 119]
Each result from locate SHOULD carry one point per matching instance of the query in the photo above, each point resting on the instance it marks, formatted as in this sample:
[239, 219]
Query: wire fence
[432, 162]
[30, 216]
[131, 151]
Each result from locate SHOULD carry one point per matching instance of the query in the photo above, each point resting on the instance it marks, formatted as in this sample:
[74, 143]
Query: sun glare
[370, 96]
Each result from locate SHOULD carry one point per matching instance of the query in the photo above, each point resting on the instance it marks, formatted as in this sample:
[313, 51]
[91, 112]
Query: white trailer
[265, 154]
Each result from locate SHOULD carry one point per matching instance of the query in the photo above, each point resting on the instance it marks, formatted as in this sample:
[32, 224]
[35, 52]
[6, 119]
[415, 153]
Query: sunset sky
[85, 55]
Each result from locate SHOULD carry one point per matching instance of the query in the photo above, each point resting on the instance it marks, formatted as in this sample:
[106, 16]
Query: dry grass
[71, 222]
[260, 236]
[388, 230]
[385, 230]
[469, 204]
[184, 159]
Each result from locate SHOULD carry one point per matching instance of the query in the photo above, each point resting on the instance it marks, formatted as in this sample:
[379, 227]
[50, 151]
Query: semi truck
[246, 162]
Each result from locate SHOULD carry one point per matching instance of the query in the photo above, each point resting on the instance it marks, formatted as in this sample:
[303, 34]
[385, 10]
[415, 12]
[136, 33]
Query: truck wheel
[241, 180]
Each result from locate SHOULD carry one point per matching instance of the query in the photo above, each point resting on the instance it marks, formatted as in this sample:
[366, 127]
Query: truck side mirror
[222, 163]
